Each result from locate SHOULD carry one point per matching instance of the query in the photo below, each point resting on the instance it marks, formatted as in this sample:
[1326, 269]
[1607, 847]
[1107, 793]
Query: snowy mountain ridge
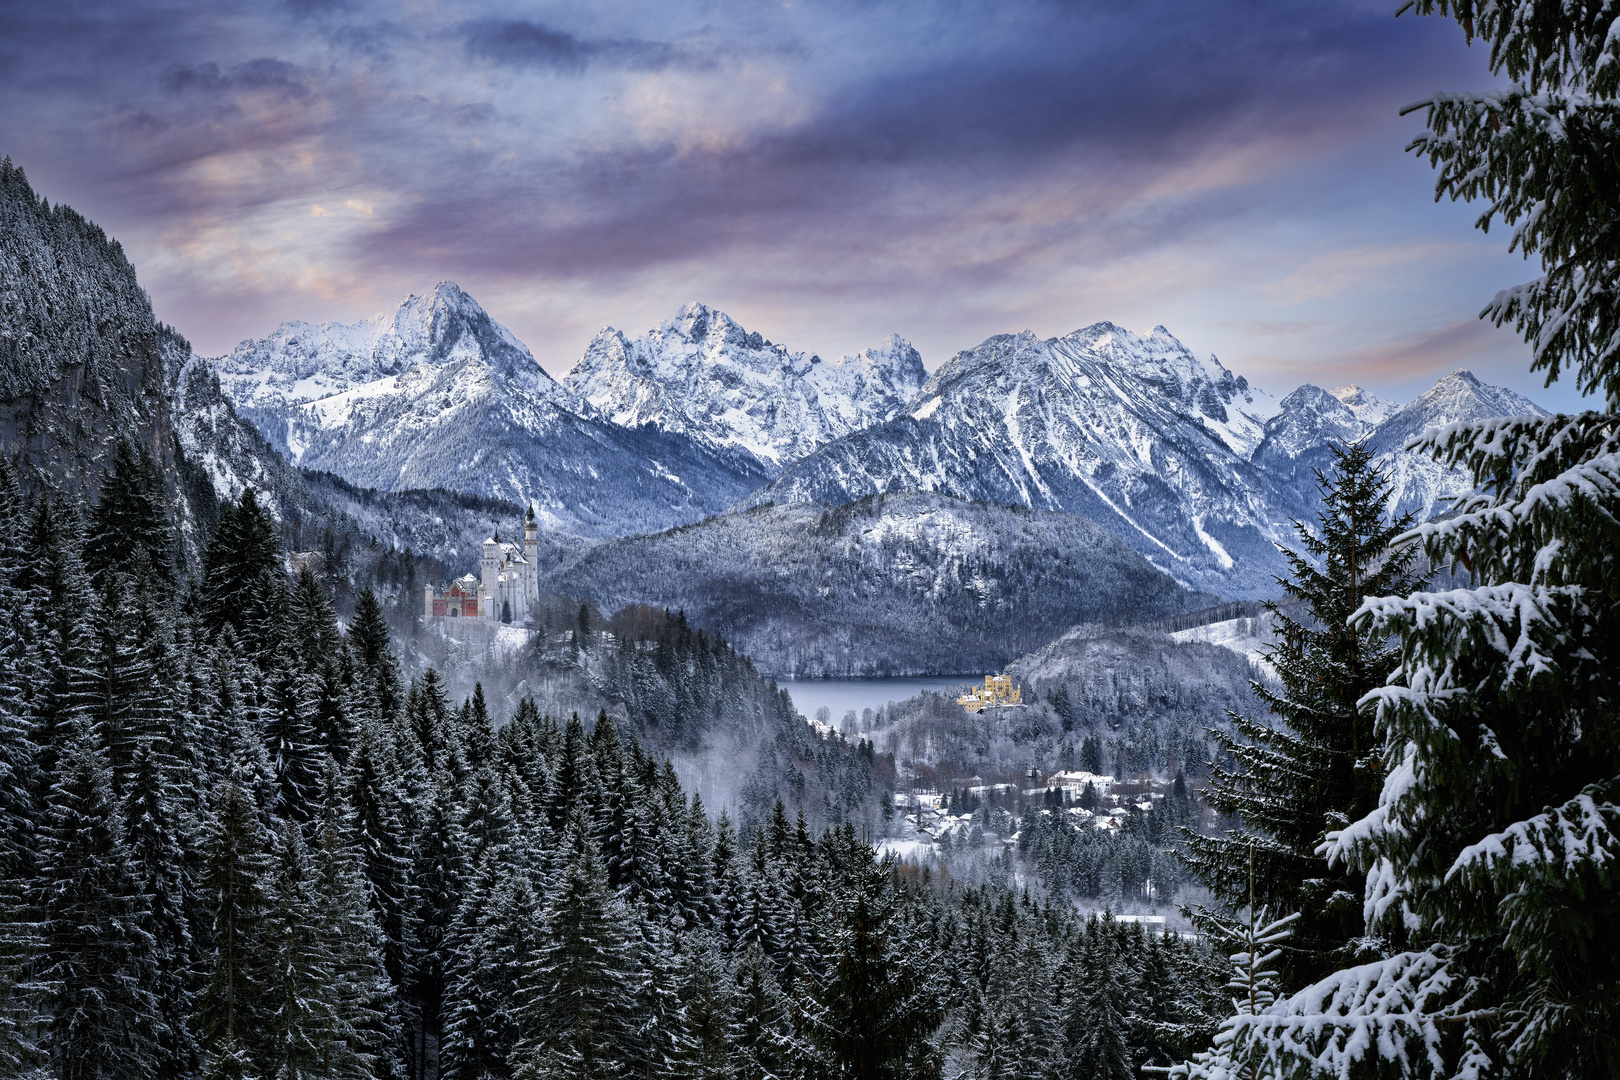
[701, 374]
[301, 362]
[1365, 405]
[1133, 431]
[438, 394]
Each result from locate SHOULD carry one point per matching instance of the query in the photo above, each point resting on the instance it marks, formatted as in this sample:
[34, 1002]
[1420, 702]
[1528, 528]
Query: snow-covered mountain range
[1296, 438]
[702, 375]
[438, 394]
[1181, 458]
[1133, 431]
[1186, 462]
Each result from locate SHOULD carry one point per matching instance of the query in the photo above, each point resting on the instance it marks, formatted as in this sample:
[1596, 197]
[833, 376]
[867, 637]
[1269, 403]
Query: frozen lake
[842, 695]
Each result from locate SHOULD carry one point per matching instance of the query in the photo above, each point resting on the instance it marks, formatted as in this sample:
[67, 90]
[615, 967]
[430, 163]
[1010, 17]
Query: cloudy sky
[827, 172]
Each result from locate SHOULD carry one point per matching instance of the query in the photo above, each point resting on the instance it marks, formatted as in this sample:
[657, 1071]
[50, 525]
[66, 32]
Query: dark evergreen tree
[362, 1038]
[99, 949]
[231, 1006]
[296, 967]
[155, 835]
[378, 668]
[240, 567]
[1317, 770]
[1097, 1028]
[876, 1007]
[576, 997]
[130, 519]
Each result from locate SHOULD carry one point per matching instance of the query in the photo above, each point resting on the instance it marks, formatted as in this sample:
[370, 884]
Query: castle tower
[427, 601]
[490, 568]
[531, 552]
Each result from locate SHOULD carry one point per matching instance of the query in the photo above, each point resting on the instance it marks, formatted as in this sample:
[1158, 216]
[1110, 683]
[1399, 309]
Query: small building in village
[506, 588]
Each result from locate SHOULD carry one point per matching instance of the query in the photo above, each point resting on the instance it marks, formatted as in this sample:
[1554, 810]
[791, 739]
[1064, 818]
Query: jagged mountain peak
[301, 361]
[703, 374]
[1298, 437]
[1366, 405]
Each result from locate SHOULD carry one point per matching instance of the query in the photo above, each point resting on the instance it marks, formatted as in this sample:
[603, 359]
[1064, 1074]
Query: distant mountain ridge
[1133, 431]
[701, 374]
[908, 584]
[1173, 453]
[437, 394]
[1296, 438]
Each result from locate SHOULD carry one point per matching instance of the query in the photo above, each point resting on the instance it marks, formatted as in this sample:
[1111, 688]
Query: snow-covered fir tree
[1311, 764]
[1489, 857]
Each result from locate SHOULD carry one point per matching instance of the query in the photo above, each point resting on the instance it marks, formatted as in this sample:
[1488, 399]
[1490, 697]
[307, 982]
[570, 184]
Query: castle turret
[427, 601]
[490, 567]
[531, 554]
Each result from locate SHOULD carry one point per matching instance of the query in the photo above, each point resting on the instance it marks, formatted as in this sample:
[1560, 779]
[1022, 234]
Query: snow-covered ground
[1248, 636]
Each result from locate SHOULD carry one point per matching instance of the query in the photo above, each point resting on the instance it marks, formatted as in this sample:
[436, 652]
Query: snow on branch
[1391, 1011]
[1583, 833]
[1501, 617]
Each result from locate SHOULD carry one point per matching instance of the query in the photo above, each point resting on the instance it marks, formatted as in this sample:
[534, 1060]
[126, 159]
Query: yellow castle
[998, 690]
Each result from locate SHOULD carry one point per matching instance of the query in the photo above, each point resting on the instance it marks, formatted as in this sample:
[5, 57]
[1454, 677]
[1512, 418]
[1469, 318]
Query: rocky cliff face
[702, 375]
[80, 364]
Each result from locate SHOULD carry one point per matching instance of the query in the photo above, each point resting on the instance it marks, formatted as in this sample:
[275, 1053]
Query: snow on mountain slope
[700, 374]
[302, 361]
[904, 584]
[1132, 431]
[1419, 483]
[1297, 438]
[1367, 406]
[1296, 442]
[437, 394]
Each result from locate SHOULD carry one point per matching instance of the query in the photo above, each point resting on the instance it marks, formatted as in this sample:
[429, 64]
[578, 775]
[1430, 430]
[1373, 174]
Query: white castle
[507, 588]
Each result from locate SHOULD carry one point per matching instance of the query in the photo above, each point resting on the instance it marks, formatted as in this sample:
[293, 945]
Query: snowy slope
[1133, 431]
[437, 394]
[702, 375]
[1366, 406]
[1296, 442]
[1419, 483]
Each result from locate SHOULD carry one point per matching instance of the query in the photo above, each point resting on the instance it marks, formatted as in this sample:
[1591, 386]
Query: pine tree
[763, 1047]
[362, 1038]
[379, 669]
[577, 990]
[230, 1006]
[296, 967]
[1317, 769]
[241, 563]
[1490, 856]
[129, 518]
[493, 945]
[876, 1007]
[155, 836]
[1097, 1029]
[1253, 990]
[98, 948]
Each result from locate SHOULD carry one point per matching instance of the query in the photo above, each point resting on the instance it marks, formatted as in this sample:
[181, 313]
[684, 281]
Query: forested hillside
[240, 843]
[889, 585]
[81, 367]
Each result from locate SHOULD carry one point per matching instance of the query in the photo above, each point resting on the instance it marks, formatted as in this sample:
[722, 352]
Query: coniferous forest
[241, 844]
